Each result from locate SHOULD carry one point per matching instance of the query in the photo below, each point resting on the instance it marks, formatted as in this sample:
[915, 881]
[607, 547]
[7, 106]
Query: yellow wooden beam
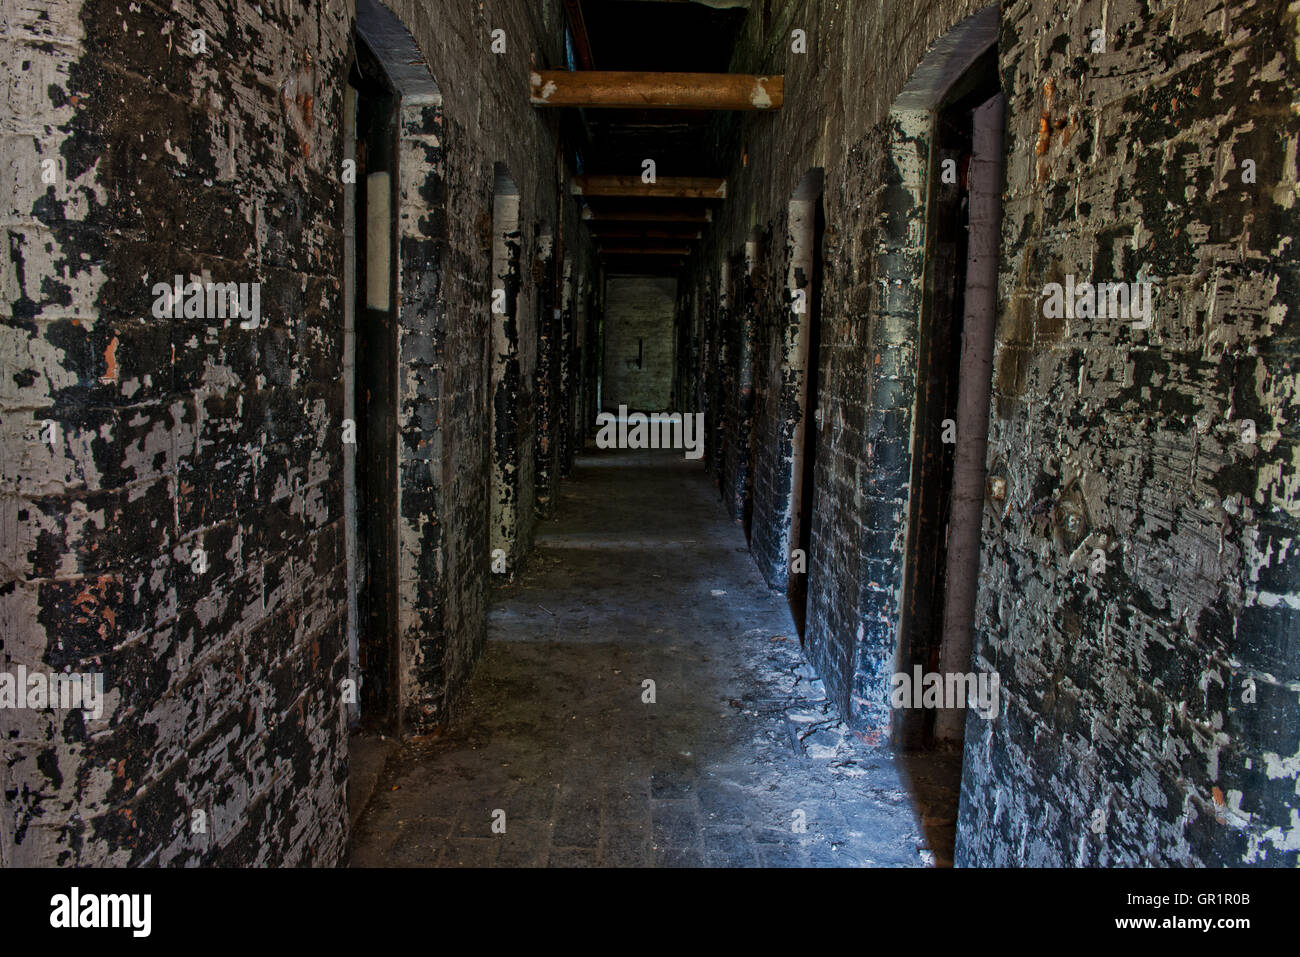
[635, 89]
[664, 187]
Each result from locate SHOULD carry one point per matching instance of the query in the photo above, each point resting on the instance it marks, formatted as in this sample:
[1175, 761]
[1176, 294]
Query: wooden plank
[636, 89]
[664, 187]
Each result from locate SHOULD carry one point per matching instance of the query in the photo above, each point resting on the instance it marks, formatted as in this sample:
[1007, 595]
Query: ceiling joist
[634, 89]
[716, 4]
[648, 215]
[664, 187]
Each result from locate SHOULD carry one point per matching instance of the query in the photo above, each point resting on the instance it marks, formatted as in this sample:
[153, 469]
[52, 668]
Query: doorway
[370, 395]
[946, 373]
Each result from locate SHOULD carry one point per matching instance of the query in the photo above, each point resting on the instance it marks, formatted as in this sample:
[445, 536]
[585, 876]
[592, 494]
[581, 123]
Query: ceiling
[678, 36]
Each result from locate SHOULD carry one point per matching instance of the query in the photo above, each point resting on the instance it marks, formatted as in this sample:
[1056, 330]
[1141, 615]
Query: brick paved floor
[641, 575]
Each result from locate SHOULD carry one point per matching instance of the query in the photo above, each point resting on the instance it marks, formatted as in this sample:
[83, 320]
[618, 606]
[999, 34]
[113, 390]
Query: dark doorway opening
[939, 370]
[374, 390]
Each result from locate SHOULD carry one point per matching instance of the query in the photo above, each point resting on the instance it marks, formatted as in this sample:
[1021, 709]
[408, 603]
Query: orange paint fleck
[110, 363]
[1044, 134]
[92, 599]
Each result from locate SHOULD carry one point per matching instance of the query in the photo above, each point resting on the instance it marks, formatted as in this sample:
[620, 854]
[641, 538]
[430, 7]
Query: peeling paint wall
[546, 444]
[422, 631]
[509, 394]
[1151, 706]
[739, 467]
[171, 513]
[1124, 694]
[486, 121]
[180, 532]
[837, 117]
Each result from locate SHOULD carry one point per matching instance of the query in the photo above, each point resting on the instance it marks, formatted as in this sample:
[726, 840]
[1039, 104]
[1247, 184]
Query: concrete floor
[642, 576]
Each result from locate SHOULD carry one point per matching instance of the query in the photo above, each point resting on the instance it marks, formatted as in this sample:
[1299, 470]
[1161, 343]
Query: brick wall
[1123, 694]
[1150, 709]
[488, 121]
[836, 117]
[172, 436]
[175, 440]
[639, 326]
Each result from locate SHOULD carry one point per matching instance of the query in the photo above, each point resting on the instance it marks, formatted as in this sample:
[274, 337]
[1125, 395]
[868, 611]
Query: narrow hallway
[342, 347]
[641, 577]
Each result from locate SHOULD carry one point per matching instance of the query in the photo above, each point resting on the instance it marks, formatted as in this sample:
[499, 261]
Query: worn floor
[738, 762]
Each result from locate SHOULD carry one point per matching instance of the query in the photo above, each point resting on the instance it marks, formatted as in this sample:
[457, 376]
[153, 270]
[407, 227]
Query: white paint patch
[1278, 767]
[175, 152]
[1273, 600]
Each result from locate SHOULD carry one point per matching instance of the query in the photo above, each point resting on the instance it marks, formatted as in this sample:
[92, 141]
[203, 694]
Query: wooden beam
[664, 187]
[717, 4]
[645, 250]
[649, 215]
[636, 89]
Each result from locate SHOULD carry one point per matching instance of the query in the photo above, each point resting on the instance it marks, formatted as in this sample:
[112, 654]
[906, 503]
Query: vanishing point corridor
[649, 434]
[740, 761]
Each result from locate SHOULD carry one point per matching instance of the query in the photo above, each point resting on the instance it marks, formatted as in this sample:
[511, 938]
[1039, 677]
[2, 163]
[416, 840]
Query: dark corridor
[642, 433]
